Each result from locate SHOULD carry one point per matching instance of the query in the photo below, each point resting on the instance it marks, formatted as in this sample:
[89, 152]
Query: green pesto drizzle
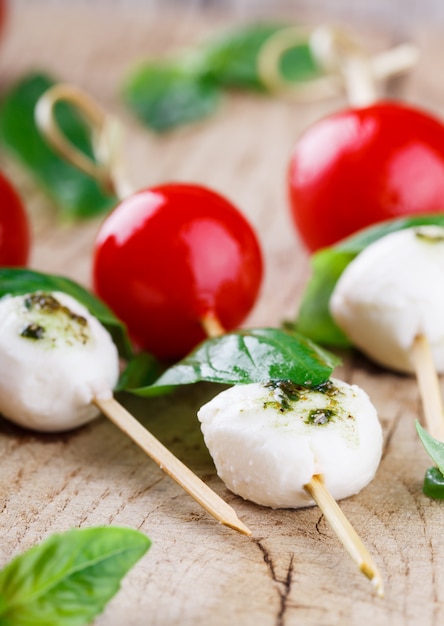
[33, 331]
[320, 416]
[47, 319]
[287, 392]
[285, 398]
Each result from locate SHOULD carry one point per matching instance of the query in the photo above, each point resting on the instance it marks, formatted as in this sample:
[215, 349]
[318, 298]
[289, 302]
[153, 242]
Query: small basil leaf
[298, 64]
[75, 194]
[433, 485]
[166, 95]
[68, 579]
[314, 319]
[142, 370]
[17, 281]
[433, 447]
[247, 356]
[231, 58]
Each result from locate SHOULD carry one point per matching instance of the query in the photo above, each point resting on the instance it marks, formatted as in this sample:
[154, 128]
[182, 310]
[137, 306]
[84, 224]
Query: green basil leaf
[168, 94]
[232, 58]
[142, 370]
[247, 356]
[68, 579]
[433, 486]
[433, 447]
[314, 319]
[17, 281]
[298, 64]
[75, 194]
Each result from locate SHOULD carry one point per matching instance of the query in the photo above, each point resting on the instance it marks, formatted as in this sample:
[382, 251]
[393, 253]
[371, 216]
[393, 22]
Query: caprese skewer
[58, 368]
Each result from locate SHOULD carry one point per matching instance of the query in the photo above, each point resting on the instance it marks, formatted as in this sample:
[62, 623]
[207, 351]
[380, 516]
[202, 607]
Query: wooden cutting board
[199, 573]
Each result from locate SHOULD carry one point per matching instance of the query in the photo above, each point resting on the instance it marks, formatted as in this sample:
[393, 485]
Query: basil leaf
[17, 281]
[433, 447]
[298, 64]
[314, 319]
[231, 58]
[165, 95]
[433, 486]
[248, 356]
[75, 194]
[68, 579]
[142, 370]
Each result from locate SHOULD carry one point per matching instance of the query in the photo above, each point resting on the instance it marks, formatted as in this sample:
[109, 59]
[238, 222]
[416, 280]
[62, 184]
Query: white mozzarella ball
[55, 357]
[268, 441]
[392, 292]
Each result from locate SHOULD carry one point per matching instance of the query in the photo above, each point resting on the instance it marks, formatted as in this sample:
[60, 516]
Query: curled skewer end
[344, 64]
[106, 167]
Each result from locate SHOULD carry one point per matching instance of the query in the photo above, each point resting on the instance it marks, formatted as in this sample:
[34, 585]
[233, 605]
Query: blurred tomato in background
[15, 240]
[3, 13]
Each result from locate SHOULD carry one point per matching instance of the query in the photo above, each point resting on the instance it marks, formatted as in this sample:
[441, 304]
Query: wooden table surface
[199, 573]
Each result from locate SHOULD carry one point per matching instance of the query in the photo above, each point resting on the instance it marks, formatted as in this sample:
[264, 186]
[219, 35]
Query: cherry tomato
[170, 256]
[362, 166]
[3, 15]
[14, 227]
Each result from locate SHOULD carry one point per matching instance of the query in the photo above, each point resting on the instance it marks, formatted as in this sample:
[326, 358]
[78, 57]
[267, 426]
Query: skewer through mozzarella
[285, 446]
[269, 440]
[55, 358]
[392, 293]
[58, 369]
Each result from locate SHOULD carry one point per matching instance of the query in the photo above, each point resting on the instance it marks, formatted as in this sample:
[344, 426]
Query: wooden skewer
[171, 465]
[107, 169]
[325, 501]
[354, 65]
[210, 501]
[212, 326]
[345, 531]
[429, 388]
[331, 47]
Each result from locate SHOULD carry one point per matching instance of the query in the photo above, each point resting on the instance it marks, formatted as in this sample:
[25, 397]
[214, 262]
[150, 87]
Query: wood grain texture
[198, 573]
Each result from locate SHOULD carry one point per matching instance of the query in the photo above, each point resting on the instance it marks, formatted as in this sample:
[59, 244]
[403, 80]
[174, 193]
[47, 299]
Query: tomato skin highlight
[15, 238]
[362, 166]
[170, 255]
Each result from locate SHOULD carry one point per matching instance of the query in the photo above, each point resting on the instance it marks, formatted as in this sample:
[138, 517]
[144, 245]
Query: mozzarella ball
[392, 292]
[268, 441]
[55, 357]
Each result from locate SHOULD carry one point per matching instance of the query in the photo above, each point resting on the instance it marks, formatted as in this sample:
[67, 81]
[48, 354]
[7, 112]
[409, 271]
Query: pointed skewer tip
[239, 526]
[375, 578]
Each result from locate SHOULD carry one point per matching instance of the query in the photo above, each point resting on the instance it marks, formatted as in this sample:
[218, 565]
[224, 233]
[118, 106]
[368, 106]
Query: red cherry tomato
[363, 166]
[14, 227]
[3, 15]
[169, 256]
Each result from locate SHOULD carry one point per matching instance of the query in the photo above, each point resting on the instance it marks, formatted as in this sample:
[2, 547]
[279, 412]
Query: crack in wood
[389, 434]
[318, 526]
[283, 585]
